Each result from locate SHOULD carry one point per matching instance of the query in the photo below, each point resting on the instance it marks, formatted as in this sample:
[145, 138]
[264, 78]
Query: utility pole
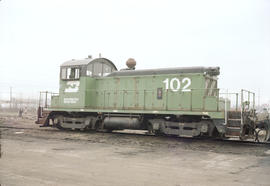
[259, 98]
[10, 97]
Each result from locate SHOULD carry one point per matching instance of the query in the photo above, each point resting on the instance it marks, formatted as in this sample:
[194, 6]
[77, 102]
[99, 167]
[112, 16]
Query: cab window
[70, 73]
[97, 69]
[89, 71]
[106, 69]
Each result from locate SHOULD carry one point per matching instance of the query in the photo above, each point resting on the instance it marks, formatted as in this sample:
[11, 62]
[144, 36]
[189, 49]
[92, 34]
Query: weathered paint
[149, 94]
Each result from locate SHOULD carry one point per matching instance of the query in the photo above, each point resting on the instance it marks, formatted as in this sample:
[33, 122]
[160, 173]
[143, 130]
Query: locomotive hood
[212, 71]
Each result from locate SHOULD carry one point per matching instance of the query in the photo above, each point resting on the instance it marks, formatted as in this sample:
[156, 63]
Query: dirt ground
[46, 156]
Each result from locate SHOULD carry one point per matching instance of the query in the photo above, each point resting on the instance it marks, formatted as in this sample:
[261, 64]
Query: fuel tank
[118, 123]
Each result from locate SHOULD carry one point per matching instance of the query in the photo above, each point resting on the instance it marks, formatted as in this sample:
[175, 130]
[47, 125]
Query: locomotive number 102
[175, 84]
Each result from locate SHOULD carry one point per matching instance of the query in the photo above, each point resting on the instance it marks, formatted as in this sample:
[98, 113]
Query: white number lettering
[175, 89]
[166, 81]
[174, 84]
[185, 88]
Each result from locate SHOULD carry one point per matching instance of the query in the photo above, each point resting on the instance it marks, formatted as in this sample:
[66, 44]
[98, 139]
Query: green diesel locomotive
[94, 95]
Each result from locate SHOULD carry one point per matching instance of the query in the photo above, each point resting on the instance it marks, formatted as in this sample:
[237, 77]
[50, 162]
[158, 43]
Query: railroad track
[186, 139]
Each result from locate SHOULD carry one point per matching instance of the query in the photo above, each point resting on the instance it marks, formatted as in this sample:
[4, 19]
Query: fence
[12, 100]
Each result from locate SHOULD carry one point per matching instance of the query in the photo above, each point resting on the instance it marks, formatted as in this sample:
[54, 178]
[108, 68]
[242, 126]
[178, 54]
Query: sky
[37, 36]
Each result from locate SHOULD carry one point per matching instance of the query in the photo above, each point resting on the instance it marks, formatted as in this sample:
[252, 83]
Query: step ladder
[233, 128]
[234, 120]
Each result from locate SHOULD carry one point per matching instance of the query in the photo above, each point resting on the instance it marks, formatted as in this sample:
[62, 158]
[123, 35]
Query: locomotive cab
[77, 81]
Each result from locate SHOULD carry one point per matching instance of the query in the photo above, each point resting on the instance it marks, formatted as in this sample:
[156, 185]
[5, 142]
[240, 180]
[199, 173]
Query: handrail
[247, 103]
[166, 92]
[46, 93]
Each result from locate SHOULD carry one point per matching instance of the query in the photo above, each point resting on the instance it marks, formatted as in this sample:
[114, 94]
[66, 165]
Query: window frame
[76, 70]
[97, 69]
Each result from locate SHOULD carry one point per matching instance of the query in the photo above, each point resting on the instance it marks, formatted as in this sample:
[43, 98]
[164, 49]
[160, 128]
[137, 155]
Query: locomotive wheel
[261, 135]
[57, 120]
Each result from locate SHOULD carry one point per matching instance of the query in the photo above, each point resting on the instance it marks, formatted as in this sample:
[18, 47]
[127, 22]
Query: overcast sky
[37, 36]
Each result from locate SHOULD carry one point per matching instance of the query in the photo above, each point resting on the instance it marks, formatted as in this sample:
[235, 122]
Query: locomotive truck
[184, 102]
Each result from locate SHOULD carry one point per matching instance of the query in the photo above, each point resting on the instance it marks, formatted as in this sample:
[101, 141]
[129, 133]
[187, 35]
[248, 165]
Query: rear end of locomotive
[173, 101]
